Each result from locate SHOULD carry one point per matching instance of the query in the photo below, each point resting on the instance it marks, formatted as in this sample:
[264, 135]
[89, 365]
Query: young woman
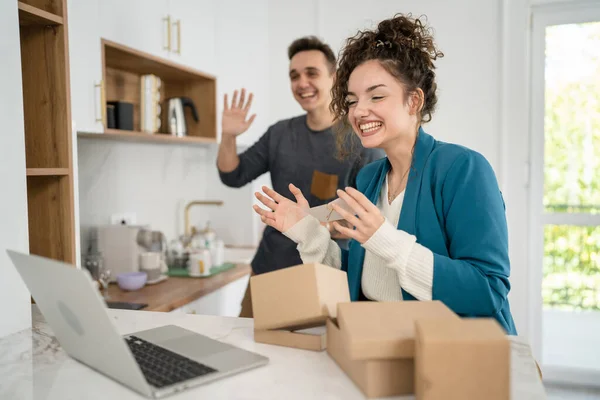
[428, 221]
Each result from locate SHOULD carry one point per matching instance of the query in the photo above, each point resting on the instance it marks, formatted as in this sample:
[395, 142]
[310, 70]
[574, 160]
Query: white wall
[15, 304]
[242, 53]
[288, 20]
[467, 31]
[514, 171]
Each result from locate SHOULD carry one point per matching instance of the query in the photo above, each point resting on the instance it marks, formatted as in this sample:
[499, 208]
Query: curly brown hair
[405, 48]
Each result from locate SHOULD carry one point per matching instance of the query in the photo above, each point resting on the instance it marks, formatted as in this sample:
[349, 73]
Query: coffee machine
[119, 247]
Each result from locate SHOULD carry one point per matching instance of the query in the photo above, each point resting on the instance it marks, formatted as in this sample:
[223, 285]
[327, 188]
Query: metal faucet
[197, 203]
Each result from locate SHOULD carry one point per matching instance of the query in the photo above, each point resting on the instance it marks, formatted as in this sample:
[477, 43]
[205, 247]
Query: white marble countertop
[34, 366]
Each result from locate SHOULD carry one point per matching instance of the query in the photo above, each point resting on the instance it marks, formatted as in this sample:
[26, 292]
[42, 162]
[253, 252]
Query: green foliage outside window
[572, 165]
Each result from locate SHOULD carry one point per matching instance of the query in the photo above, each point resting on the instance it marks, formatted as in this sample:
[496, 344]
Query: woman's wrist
[301, 231]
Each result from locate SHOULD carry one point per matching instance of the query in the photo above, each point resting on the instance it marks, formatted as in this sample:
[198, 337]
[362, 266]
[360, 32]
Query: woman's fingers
[266, 201]
[348, 216]
[353, 204]
[264, 213]
[360, 199]
[298, 195]
[273, 194]
[351, 233]
[268, 221]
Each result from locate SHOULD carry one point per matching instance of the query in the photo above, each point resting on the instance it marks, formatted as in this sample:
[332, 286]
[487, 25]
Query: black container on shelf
[111, 122]
[123, 114]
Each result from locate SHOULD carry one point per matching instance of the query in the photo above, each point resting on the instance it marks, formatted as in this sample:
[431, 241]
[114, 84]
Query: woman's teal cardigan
[454, 207]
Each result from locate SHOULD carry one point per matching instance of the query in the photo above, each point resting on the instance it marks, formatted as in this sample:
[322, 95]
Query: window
[565, 183]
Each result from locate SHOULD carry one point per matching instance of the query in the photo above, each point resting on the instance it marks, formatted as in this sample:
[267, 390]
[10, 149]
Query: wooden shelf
[47, 123]
[131, 136]
[50, 212]
[128, 59]
[30, 15]
[47, 171]
[44, 67]
[122, 69]
[54, 7]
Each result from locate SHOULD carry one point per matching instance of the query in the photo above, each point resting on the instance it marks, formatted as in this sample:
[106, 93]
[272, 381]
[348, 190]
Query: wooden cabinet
[122, 68]
[177, 33]
[47, 121]
[205, 35]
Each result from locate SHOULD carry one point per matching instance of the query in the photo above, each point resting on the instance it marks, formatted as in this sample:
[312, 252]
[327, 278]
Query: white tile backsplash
[155, 181]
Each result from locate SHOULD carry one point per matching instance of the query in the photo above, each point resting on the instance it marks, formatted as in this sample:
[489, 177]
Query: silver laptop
[156, 363]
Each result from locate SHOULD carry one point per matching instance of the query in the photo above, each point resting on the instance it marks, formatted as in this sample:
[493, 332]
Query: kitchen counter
[216, 295]
[176, 292]
[34, 366]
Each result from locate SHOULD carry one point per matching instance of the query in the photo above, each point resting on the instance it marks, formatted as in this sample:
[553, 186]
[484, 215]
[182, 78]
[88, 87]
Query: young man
[299, 150]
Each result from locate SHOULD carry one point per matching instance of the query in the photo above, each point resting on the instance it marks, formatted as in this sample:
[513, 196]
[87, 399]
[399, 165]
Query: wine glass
[104, 279]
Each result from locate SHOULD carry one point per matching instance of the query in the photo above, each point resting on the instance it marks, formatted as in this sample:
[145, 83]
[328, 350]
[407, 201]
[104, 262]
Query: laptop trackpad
[184, 342]
[195, 347]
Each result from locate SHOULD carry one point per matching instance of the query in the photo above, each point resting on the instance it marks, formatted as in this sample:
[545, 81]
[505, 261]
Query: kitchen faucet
[189, 205]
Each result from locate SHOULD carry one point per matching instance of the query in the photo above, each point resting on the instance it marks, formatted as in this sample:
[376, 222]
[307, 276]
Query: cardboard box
[374, 343]
[314, 339]
[464, 359]
[385, 330]
[297, 297]
[375, 378]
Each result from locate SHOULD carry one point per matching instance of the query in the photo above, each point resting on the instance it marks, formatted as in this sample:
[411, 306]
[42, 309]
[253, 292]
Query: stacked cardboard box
[464, 359]
[374, 343]
[386, 348]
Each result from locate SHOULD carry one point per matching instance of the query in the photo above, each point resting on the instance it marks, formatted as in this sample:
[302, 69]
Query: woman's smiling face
[378, 109]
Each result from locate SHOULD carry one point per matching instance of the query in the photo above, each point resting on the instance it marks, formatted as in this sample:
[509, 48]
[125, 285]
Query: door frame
[543, 15]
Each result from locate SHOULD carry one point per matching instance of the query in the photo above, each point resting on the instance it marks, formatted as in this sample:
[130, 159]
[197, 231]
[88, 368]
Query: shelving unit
[141, 137]
[48, 143]
[132, 136]
[47, 171]
[29, 15]
[122, 68]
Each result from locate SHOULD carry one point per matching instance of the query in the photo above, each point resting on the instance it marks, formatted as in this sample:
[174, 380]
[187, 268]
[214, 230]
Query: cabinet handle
[178, 25]
[168, 21]
[102, 103]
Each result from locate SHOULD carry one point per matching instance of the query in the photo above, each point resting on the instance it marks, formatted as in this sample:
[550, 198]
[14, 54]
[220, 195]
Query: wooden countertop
[176, 292]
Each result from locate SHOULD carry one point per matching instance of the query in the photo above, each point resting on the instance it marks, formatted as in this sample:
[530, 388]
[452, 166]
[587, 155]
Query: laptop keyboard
[162, 367]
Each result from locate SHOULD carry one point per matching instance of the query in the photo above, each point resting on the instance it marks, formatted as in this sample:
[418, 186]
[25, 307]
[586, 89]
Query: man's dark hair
[312, 43]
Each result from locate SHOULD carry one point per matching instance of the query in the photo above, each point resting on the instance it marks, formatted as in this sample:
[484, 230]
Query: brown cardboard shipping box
[462, 359]
[310, 339]
[385, 330]
[295, 298]
[373, 342]
[375, 378]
